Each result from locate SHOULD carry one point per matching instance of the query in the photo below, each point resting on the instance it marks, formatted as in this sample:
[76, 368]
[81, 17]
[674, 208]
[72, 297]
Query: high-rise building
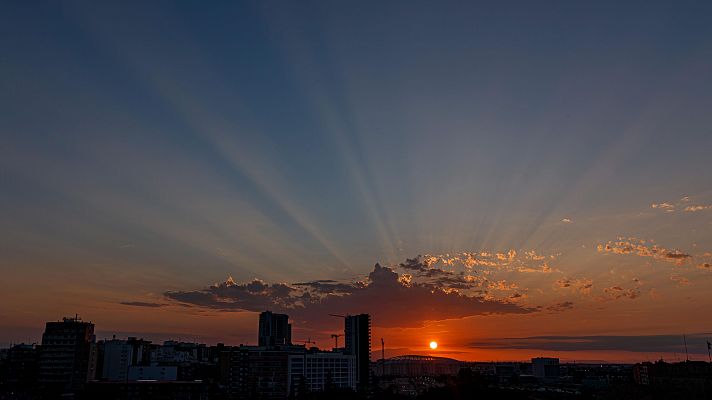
[357, 331]
[274, 329]
[67, 358]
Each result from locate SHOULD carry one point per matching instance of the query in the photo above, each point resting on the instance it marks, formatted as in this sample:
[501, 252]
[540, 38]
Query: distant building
[357, 332]
[67, 358]
[319, 371]
[546, 367]
[119, 355]
[418, 366]
[274, 330]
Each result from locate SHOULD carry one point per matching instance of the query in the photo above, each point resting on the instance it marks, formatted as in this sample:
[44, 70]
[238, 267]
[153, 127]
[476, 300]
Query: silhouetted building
[274, 329]
[688, 379]
[20, 365]
[357, 332]
[546, 367]
[316, 371]
[67, 358]
[259, 372]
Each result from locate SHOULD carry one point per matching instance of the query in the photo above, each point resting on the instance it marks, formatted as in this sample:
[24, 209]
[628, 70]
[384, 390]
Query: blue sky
[165, 146]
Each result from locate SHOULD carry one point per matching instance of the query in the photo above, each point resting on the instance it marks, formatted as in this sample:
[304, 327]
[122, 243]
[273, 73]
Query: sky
[510, 179]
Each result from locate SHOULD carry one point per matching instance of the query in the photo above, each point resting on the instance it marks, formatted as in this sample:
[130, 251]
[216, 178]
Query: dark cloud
[645, 343]
[582, 286]
[617, 292]
[230, 295]
[327, 286]
[141, 304]
[563, 306]
[392, 299]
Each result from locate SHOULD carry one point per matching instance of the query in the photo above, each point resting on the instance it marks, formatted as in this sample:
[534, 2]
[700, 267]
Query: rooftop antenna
[687, 356]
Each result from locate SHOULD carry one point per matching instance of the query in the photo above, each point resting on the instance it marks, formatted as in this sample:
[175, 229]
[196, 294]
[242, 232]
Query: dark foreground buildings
[71, 364]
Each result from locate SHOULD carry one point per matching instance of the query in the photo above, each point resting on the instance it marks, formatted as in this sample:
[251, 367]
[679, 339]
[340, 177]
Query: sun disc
[433, 345]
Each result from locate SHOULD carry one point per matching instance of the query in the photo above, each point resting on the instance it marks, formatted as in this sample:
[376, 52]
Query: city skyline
[507, 180]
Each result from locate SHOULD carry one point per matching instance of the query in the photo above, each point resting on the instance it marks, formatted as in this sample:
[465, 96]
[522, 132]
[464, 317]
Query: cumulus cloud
[563, 306]
[641, 248]
[582, 286]
[509, 260]
[617, 292]
[698, 208]
[567, 220]
[664, 206]
[386, 295]
[681, 205]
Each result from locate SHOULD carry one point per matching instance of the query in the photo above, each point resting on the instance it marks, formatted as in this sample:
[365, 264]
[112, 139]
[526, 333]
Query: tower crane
[336, 339]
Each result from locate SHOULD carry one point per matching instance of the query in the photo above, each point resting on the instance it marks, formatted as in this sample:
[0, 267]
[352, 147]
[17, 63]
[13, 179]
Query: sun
[433, 345]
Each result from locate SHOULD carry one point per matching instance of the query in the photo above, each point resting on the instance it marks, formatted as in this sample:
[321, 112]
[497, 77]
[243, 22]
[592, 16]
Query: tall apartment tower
[274, 329]
[67, 358]
[357, 331]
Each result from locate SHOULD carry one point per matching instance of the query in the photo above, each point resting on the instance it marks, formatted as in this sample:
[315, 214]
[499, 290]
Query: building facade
[67, 358]
[274, 330]
[357, 332]
[320, 371]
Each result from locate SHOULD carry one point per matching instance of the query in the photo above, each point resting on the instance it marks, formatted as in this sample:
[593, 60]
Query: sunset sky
[507, 178]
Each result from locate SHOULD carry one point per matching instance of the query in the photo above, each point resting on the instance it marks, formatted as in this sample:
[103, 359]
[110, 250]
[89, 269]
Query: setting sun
[433, 345]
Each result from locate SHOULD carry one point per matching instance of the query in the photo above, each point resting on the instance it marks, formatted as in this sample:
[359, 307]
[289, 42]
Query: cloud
[640, 248]
[617, 292]
[391, 300]
[582, 286]
[567, 220]
[643, 343]
[509, 260]
[141, 304]
[542, 268]
[681, 205]
[706, 266]
[563, 306]
[698, 208]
